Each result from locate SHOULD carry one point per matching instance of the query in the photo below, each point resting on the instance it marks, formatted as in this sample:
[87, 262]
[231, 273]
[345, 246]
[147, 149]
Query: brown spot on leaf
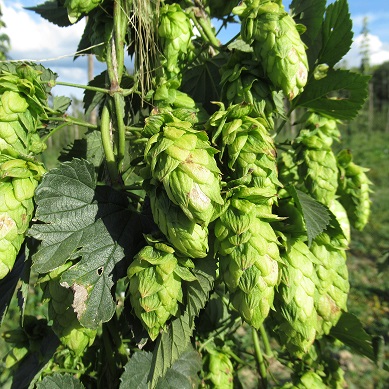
[80, 297]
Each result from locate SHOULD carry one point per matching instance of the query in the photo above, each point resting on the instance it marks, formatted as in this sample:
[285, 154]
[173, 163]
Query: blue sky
[34, 38]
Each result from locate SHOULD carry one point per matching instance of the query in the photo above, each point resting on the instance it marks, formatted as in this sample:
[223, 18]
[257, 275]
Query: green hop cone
[332, 285]
[309, 380]
[220, 370]
[354, 190]
[187, 237]
[155, 277]
[18, 180]
[248, 257]
[60, 310]
[317, 167]
[77, 8]
[295, 317]
[340, 214]
[175, 32]
[276, 41]
[182, 159]
[248, 144]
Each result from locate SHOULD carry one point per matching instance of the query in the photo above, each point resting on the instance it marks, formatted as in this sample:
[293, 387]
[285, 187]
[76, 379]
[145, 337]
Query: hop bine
[155, 289]
[276, 41]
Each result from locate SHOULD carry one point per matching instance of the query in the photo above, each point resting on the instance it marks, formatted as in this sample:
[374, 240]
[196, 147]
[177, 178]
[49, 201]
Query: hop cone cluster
[77, 8]
[65, 323]
[354, 190]
[175, 32]
[276, 42]
[247, 145]
[220, 370]
[18, 180]
[182, 160]
[248, 257]
[155, 278]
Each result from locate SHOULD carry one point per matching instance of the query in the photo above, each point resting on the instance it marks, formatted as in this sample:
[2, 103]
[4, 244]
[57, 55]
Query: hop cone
[309, 380]
[220, 370]
[332, 285]
[183, 160]
[76, 8]
[155, 286]
[175, 32]
[18, 180]
[187, 237]
[317, 167]
[249, 146]
[248, 255]
[354, 190]
[65, 323]
[276, 42]
[340, 214]
[295, 315]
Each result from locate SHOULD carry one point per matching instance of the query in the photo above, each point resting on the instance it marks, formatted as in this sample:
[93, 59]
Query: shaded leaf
[171, 344]
[310, 14]
[86, 222]
[61, 103]
[59, 381]
[92, 98]
[337, 35]
[316, 216]
[136, 371]
[53, 11]
[350, 331]
[340, 94]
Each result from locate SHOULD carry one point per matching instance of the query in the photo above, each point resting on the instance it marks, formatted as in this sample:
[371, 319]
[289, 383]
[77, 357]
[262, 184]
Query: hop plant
[78, 8]
[220, 370]
[18, 180]
[248, 257]
[354, 190]
[276, 43]
[295, 317]
[182, 159]
[60, 310]
[155, 286]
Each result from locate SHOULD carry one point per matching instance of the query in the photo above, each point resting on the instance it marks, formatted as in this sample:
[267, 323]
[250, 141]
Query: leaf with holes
[80, 220]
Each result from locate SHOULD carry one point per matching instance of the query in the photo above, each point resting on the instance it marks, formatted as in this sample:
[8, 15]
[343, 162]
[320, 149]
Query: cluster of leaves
[173, 220]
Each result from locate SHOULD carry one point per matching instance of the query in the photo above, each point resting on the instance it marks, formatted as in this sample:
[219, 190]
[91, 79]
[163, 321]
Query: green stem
[107, 144]
[119, 36]
[197, 25]
[51, 133]
[260, 360]
[70, 120]
[265, 340]
[87, 87]
[209, 32]
[118, 101]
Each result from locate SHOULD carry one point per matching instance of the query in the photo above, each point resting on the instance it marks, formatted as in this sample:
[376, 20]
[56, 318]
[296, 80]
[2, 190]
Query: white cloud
[378, 51]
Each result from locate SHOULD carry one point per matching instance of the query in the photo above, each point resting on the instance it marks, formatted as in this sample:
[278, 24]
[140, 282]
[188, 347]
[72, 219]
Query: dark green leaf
[349, 330]
[183, 373]
[337, 35]
[60, 381]
[9, 283]
[310, 14]
[89, 148]
[202, 81]
[340, 94]
[91, 98]
[61, 103]
[53, 11]
[198, 291]
[315, 215]
[171, 344]
[136, 371]
[80, 220]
